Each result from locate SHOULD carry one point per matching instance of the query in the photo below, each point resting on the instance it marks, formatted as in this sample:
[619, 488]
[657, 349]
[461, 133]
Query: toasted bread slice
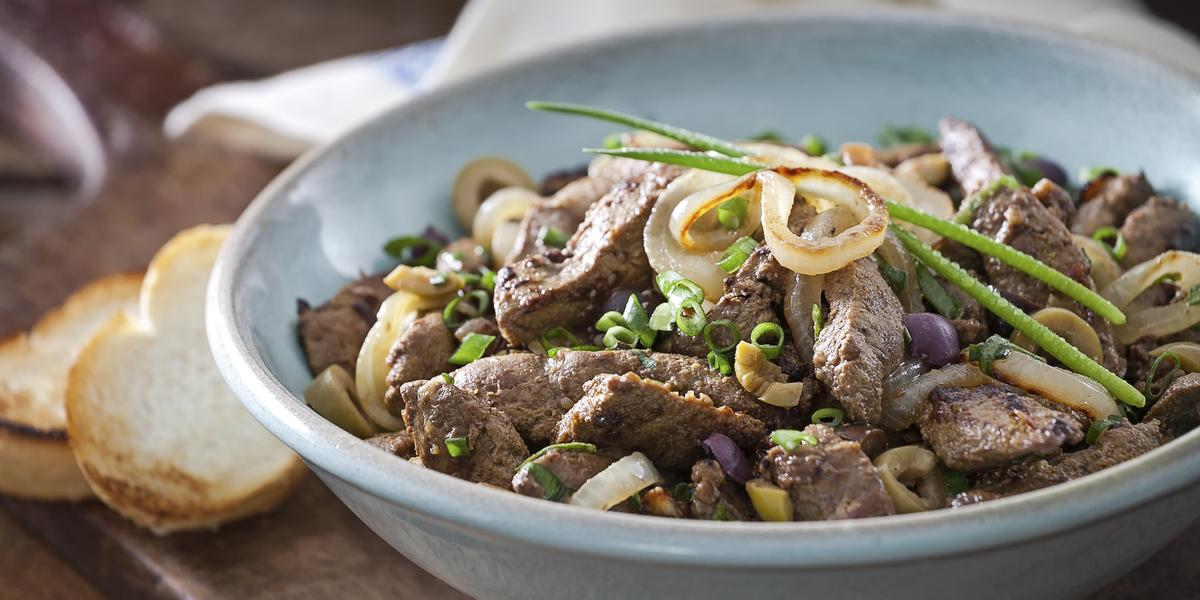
[156, 432]
[35, 460]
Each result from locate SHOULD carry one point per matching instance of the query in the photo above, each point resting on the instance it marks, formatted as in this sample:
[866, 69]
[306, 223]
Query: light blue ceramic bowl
[840, 75]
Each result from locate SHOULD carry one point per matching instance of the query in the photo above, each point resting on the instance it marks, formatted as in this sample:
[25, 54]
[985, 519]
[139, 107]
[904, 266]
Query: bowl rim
[1166, 471]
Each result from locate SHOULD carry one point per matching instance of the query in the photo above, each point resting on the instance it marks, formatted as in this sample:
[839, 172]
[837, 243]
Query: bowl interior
[842, 76]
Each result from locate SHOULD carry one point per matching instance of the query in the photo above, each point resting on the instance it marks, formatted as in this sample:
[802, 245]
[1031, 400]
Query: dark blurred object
[1184, 13]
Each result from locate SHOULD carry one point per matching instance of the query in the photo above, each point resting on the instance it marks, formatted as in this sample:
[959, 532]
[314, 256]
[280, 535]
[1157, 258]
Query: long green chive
[552, 236]
[1117, 248]
[768, 331]
[558, 337]
[1012, 257]
[684, 158]
[828, 416]
[691, 138]
[639, 322]
[894, 135]
[458, 446]
[734, 335]
[956, 482]
[718, 362]
[1099, 427]
[736, 254]
[791, 439]
[1049, 341]
[1086, 174]
[663, 318]
[941, 300]
[689, 317]
[970, 204]
[618, 335]
[1152, 375]
[732, 212]
[812, 145]
[553, 489]
[609, 320]
[471, 349]
[482, 301]
[563, 447]
[413, 250]
[487, 280]
[818, 320]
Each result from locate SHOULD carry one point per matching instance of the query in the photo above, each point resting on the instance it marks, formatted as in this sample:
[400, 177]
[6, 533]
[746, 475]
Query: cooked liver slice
[1107, 200]
[1056, 200]
[1178, 409]
[990, 426]
[971, 157]
[332, 333]
[570, 467]
[832, 480]
[1159, 225]
[715, 497]
[421, 351]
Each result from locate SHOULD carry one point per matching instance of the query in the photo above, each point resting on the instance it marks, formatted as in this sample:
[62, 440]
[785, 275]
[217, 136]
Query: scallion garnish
[645, 360]
[479, 303]
[941, 300]
[710, 333]
[989, 351]
[487, 279]
[828, 416]
[553, 489]
[689, 317]
[448, 378]
[458, 446]
[612, 140]
[818, 320]
[1049, 341]
[812, 145]
[662, 319]
[718, 362]
[970, 204]
[469, 278]
[556, 338]
[471, 349]
[563, 447]
[956, 482]
[552, 236]
[1099, 427]
[736, 254]
[691, 138]
[1117, 248]
[894, 135]
[609, 320]
[638, 321]
[732, 212]
[768, 337]
[791, 439]
[686, 300]
[618, 335]
[1193, 295]
[1153, 375]
[413, 250]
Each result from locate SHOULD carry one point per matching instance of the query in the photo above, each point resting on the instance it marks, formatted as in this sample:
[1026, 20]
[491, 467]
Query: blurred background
[120, 125]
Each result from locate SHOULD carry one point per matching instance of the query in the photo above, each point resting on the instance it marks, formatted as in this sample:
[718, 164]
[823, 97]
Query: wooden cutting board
[312, 547]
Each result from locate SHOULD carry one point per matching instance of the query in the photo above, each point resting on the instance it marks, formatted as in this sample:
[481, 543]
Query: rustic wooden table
[129, 62]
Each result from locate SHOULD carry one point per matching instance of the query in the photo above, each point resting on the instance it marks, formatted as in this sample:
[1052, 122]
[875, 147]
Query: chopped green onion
[735, 335]
[683, 492]
[552, 236]
[618, 335]
[894, 277]
[586, 348]
[684, 158]
[689, 317]
[732, 212]
[563, 447]
[988, 352]
[667, 280]
[941, 300]
[471, 349]
[1099, 427]
[663, 318]
[558, 337]
[691, 138]
[469, 278]
[1193, 295]
[813, 145]
[1087, 174]
[1117, 249]
[488, 279]
[613, 140]
[638, 321]
[818, 320]
[635, 502]
[413, 250]
[553, 489]
[448, 378]
[458, 446]
[766, 329]
[1012, 257]
[1049, 341]
[719, 363]
[956, 482]
[1152, 375]
[767, 135]
[894, 135]
[609, 320]
[736, 254]
[970, 204]
[791, 439]
[482, 302]
[828, 416]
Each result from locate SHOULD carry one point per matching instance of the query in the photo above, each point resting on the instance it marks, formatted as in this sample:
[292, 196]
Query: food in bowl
[693, 327]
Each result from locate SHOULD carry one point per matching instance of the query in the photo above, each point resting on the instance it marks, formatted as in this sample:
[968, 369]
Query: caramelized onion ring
[689, 212]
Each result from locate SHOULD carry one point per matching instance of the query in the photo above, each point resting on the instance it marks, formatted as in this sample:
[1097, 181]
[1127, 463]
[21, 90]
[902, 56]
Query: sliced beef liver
[992, 425]
[1116, 445]
[571, 468]
[862, 340]
[971, 157]
[332, 333]
[462, 255]
[399, 443]
[1178, 409]
[560, 288]
[627, 413]
[1106, 200]
[714, 497]
[1056, 200]
[1159, 225]
[443, 411]
[421, 351]
[832, 480]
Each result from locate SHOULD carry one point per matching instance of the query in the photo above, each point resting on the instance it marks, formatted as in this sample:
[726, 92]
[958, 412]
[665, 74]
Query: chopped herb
[645, 360]
[691, 138]
[941, 300]
[719, 362]
[791, 439]
[662, 319]
[457, 446]
[734, 335]
[620, 336]
[479, 303]
[683, 492]
[768, 331]
[563, 447]
[1117, 248]
[1193, 297]
[828, 416]
[689, 317]
[818, 320]
[1153, 375]
[894, 135]
[988, 352]
[1099, 427]
[970, 204]
[469, 278]
[894, 277]
[767, 135]
[556, 338]
[956, 482]
[736, 254]
[1087, 174]
[732, 212]
[813, 145]
[613, 140]
[413, 250]
[609, 320]
[638, 321]
[553, 489]
[488, 279]
[552, 236]
[448, 378]
[471, 349]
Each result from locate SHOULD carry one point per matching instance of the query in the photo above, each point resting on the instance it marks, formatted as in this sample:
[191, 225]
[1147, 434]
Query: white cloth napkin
[285, 115]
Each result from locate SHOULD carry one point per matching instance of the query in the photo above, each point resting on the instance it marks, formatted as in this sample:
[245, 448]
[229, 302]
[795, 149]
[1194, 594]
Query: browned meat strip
[399, 443]
[971, 157]
[714, 497]
[627, 413]
[535, 391]
[332, 333]
[421, 351]
[1056, 200]
[989, 426]
[832, 480]
[462, 255]
[443, 411]
[1178, 410]
[570, 467]
[559, 289]
[1116, 445]
[1106, 200]
[1159, 225]
[862, 340]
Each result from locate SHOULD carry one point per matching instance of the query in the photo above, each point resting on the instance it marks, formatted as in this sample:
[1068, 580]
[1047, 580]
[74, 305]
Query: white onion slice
[504, 206]
[504, 242]
[480, 177]
[690, 212]
[1105, 270]
[777, 155]
[1055, 384]
[619, 481]
[396, 313]
[665, 253]
[1156, 320]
